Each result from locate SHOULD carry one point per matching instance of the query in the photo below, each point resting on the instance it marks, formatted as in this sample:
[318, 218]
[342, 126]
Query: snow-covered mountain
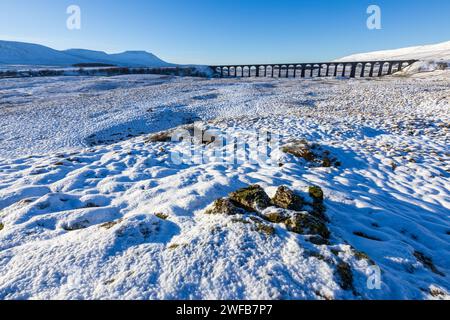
[19, 53]
[127, 58]
[439, 51]
[33, 54]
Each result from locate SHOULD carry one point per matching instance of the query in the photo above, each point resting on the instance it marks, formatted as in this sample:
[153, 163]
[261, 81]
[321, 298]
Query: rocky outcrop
[286, 207]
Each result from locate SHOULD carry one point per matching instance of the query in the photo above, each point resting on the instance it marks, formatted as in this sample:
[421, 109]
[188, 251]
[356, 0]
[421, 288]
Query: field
[95, 205]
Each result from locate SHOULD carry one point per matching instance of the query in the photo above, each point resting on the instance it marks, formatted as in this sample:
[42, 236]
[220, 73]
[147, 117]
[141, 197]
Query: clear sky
[228, 31]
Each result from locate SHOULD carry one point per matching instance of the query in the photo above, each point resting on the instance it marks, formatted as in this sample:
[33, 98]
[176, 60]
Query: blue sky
[228, 31]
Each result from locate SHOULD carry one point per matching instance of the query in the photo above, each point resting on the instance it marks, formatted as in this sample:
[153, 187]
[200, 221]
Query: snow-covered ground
[92, 209]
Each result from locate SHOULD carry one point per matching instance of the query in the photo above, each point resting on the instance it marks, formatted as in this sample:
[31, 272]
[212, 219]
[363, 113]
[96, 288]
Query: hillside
[439, 51]
[19, 53]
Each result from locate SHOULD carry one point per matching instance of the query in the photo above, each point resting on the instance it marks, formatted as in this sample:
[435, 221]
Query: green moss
[2, 226]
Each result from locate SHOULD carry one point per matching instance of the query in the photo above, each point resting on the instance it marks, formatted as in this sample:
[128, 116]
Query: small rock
[162, 216]
[316, 193]
[164, 136]
[224, 206]
[300, 149]
[287, 199]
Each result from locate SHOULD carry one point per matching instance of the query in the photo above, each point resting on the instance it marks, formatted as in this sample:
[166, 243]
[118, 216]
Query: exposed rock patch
[287, 199]
[311, 153]
[253, 198]
[224, 206]
[286, 207]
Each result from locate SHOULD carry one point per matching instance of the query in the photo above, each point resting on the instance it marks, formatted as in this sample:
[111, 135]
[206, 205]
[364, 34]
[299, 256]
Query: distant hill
[128, 58]
[20, 53]
[439, 51]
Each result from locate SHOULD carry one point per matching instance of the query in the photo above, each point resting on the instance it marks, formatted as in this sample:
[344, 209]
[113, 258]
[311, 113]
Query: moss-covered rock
[224, 206]
[252, 198]
[306, 224]
[286, 198]
[316, 193]
[162, 216]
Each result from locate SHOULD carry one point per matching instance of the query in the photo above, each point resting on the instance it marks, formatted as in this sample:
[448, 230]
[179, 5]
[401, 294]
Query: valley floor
[93, 206]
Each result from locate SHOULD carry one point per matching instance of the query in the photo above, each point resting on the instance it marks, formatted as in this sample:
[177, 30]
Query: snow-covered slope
[141, 58]
[89, 55]
[33, 54]
[440, 51]
[19, 53]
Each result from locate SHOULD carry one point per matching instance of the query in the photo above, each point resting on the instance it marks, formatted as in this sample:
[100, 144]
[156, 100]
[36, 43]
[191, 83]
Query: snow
[81, 191]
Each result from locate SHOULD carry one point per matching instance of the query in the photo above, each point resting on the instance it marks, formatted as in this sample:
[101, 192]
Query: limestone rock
[287, 199]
